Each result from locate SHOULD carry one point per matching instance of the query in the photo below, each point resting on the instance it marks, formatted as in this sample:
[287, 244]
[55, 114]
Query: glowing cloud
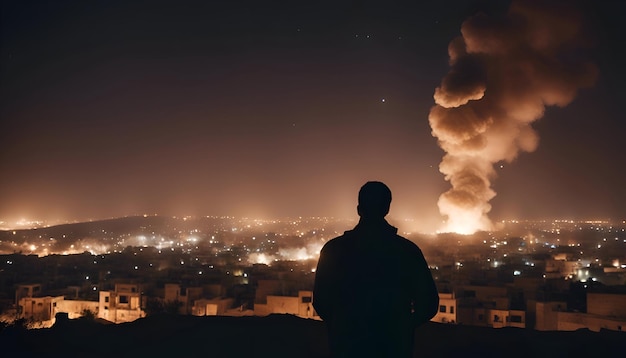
[261, 258]
[504, 72]
[310, 251]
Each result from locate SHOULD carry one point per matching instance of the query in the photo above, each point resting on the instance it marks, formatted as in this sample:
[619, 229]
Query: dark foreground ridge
[285, 336]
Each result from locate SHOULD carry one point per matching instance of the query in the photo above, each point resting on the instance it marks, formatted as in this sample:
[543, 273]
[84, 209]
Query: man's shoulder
[337, 242]
[406, 243]
[351, 237]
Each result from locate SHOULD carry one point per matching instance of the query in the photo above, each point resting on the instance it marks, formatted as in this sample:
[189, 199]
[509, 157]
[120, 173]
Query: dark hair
[374, 200]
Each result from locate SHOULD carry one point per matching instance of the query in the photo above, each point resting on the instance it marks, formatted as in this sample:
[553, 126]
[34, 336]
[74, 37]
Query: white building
[121, 305]
[211, 307]
[487, 306]
[604, 311]
[77, 308]
[301, 306]
[39, 310]
[447, 309]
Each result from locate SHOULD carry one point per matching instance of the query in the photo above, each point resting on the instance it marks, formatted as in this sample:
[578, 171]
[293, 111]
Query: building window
[451, 309]
[306, 299]
[516, 318]
[496, 318]
[481, 317]
[123, 299]
[106, 299]
[442, 309]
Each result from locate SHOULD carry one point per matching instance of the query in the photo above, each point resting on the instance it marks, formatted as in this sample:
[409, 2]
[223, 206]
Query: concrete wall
[305, 304]
[486, 293]
[570, 321]
[186, 296]
[212, 307]
[121, 305]
[262, 309]
[75, 308]
[447, 312]
[283, 304]
[605, 304]
[301, 306]
[172, 292]
[486, 317]
[266, 288]
[546, 315]
[517, 318]
[39, 309]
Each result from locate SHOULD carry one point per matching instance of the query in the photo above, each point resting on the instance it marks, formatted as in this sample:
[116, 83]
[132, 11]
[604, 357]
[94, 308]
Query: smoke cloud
[504, 72]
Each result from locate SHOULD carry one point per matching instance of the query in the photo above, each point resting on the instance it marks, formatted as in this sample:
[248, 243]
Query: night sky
[272, 109]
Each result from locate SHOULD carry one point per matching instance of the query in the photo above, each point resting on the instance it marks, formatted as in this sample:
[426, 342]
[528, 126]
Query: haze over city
[121, 108]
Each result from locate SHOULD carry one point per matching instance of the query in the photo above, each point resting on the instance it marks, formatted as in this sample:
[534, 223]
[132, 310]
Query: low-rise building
[487, 306]
[571, 321]
[121, 305]
[77, 308]
[447, 312]
[301, 305]
[604, 311]
[185, 296]
[211, 307]
[39, 310]
[546, 315]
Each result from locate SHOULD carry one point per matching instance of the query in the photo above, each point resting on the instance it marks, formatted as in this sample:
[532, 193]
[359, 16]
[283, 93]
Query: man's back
[372, 289]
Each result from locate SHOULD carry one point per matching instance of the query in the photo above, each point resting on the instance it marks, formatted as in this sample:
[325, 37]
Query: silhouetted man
[373, 287]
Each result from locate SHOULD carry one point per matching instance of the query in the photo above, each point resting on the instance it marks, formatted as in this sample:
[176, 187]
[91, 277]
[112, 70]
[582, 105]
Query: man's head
[374, 200]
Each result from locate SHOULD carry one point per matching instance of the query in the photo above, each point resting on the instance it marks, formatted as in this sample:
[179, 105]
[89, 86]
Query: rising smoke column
[504, 72]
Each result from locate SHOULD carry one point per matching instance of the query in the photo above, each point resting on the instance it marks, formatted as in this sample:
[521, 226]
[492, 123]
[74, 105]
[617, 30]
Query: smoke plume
[504, 72]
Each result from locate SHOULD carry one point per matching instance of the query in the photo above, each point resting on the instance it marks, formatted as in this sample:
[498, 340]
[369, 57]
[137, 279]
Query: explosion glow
[311, 251]
[504, 71]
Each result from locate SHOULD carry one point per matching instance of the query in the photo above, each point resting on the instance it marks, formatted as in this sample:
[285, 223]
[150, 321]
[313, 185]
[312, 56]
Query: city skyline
[122, 108]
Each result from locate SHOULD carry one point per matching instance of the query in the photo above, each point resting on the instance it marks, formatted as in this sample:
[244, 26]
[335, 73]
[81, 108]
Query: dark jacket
[373, 288]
